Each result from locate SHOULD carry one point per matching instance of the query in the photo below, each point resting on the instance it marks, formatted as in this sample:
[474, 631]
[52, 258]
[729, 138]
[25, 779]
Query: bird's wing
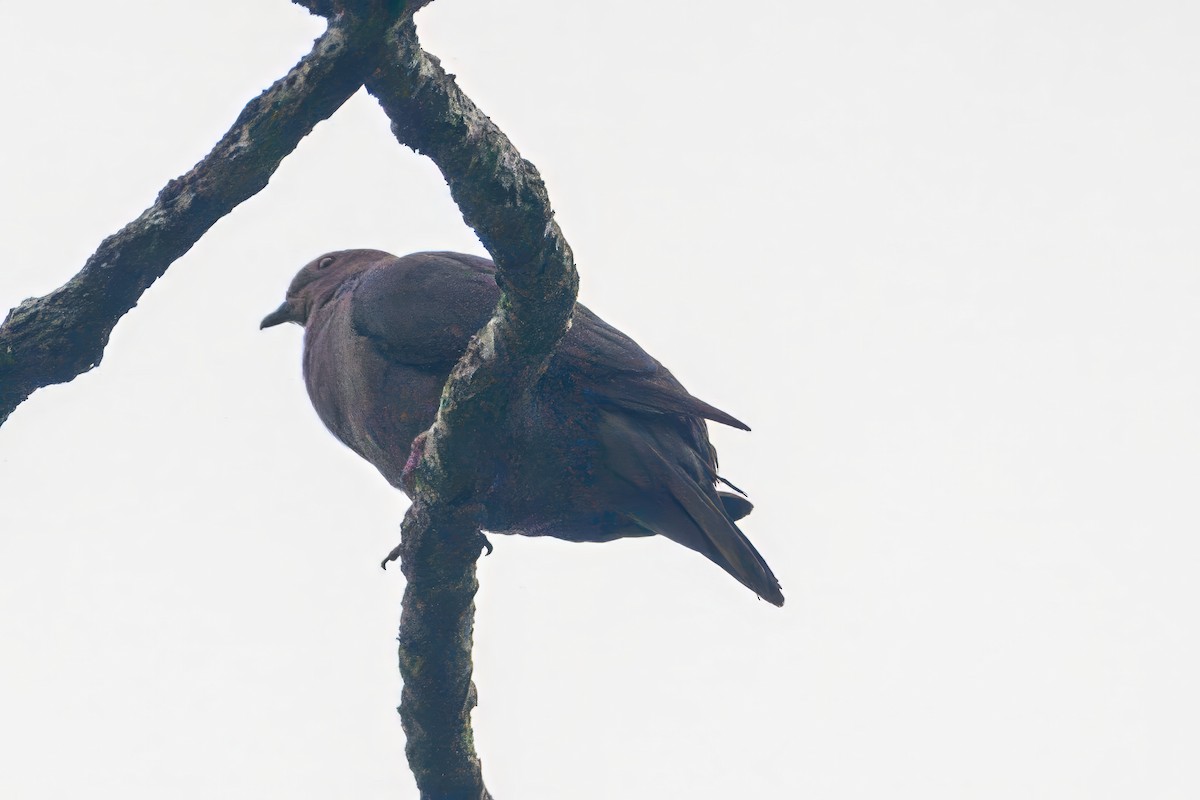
[612, 368]
[424, 308]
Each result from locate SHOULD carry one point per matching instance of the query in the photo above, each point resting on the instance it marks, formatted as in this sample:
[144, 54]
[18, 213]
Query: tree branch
[54, 338]
[503, 199]
[57, 337]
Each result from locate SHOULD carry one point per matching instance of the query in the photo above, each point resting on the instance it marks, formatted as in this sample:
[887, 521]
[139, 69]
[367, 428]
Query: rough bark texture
[503, 199]
[54, 338]
[439, 547]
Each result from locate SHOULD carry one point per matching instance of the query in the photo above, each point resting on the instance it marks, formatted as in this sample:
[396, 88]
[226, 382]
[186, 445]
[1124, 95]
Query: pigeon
[607, 444]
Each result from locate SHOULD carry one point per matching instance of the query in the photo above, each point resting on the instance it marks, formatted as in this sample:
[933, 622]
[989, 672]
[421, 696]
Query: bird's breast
[374, 405]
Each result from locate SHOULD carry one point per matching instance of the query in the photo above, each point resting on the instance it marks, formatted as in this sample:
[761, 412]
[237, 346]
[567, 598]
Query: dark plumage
[608, 444]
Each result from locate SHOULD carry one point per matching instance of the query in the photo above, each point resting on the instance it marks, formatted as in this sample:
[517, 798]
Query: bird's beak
[285, 313]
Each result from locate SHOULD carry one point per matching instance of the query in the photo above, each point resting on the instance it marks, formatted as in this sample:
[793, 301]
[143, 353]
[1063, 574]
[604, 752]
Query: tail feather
[734, 505]
[667, 477]
[695, 521]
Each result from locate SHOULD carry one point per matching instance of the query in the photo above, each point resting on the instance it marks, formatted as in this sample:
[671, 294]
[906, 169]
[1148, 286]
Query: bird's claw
[392, 556]
[484, 542]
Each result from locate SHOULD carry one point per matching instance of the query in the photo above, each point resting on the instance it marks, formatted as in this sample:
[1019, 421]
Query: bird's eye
[325, 262]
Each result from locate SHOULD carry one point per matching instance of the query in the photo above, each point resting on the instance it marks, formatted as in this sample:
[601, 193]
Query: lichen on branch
[53, 339]
[503, 198]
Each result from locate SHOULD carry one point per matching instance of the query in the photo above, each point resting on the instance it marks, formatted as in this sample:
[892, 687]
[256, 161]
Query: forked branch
[54, 338]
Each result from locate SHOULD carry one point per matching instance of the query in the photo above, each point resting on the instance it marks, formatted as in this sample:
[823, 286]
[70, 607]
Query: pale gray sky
[941, 256]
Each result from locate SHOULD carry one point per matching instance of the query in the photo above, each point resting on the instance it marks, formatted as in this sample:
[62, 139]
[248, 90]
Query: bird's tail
[673, 495]
[698, 520]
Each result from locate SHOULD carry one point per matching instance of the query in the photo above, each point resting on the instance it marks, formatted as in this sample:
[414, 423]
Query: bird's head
[319, 280]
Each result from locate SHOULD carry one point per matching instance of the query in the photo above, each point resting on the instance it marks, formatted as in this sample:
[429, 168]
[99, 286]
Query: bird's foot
[484, 544]
[392, 556]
